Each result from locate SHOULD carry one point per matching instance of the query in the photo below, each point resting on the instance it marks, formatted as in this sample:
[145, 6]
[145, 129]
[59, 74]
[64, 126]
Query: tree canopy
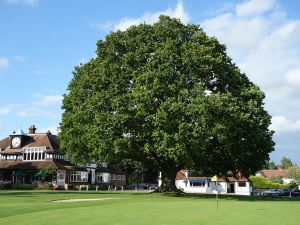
[286, 163]
[293, 173]
[167, 95]
[271, 165]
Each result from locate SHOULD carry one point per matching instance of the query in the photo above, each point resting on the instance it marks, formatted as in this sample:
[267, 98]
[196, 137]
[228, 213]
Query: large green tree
[166, 95]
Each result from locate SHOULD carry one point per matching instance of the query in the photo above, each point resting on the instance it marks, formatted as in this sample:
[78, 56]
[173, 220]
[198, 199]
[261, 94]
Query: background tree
[293, 173]
[166, 95]
[271, 165]
[286, 163]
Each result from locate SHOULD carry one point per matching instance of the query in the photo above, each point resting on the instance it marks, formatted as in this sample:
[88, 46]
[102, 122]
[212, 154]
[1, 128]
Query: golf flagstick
[215, 179]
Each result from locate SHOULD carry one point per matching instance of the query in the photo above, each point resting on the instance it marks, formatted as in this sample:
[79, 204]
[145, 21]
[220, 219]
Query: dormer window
[34, 154]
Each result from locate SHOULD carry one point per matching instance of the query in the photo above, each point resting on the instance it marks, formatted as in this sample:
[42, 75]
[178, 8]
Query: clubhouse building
[32, 157]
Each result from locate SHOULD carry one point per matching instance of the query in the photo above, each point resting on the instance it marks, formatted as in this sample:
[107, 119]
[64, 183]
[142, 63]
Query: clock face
[16, 141]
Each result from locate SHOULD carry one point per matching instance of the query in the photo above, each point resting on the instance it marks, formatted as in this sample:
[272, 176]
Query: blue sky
[41, 42]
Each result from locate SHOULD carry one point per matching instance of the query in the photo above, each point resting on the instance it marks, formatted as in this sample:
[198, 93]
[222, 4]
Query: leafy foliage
[276, 179]
[137, 172]
[286, 163]
[294, 173]
[271, 166]
[261, 182]
[166, 95]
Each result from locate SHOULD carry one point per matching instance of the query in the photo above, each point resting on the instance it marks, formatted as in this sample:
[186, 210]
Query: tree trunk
[168, 176]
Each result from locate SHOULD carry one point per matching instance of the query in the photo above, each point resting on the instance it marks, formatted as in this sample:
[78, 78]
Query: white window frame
[78, 176]
[99, 178]
[34, 154]
[242, 186]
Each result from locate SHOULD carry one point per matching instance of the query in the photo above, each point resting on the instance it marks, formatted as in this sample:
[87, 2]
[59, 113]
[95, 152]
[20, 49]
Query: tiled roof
[4, 143]
[272, 173]
[47, 140]
[38, 165]
[181, 176]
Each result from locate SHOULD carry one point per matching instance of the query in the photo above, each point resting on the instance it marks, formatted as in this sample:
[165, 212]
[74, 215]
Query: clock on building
[16, 142]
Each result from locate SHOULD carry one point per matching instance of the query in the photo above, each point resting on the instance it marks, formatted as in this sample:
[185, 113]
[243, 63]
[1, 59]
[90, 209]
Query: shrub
[293, 185]
[44, 186]
[261, 182]
[5, 186]
[276, 180]
[73, 187]
[22, 186]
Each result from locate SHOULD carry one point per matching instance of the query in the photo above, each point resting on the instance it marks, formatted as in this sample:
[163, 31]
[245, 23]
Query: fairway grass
[38, 207]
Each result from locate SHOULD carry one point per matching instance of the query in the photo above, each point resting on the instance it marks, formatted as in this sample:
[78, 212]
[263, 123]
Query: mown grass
[36, 207]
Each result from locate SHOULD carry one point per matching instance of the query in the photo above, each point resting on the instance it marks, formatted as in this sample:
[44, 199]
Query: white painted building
[204, 185]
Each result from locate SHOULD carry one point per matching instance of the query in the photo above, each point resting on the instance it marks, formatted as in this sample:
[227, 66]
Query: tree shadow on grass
[232, 197]
[24, 193]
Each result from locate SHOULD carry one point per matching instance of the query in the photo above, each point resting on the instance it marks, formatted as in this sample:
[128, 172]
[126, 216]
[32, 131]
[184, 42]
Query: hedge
[261, 182]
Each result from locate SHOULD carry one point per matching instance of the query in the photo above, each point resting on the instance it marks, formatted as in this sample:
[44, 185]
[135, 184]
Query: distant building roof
[272, 173]
[181, 175]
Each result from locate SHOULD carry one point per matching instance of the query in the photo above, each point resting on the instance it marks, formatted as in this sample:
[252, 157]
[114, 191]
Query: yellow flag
[214, 178]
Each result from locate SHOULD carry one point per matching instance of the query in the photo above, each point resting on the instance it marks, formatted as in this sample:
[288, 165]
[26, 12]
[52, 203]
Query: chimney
[186, 173]
[32, 129]
[279, 167]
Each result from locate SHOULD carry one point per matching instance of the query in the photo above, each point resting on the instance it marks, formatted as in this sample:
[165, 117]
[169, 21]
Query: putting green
[37, 207]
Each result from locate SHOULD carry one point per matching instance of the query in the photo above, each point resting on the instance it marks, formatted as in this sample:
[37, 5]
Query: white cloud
[282, 124]
[240, 35]
[38, 72]
[32, 3]
[221, 8]
[35, 112]
[1, 126]
[19, 58]
[29, 112]
[265, 45]
[254, 7]
[101, 26]
[48, 100]
[149, 18]
[293, 77]
[5, 110]
[52, 129]
[4, 63]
